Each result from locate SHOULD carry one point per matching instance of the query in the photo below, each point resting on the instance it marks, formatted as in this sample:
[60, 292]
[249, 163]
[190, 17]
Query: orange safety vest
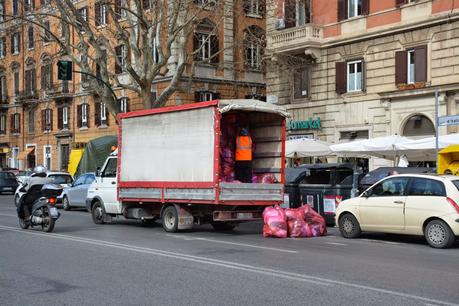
[243, 148]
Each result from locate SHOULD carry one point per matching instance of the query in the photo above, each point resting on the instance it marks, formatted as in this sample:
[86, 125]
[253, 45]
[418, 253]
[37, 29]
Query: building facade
[42, 119]
[351, 69]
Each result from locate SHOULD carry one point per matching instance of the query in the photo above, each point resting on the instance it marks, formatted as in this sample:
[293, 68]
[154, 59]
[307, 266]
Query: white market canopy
[383, 147]
[305, 147]
[424, 149]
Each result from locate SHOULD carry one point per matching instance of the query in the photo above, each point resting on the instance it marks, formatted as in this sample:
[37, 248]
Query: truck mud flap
[185, 218]
[243, 215]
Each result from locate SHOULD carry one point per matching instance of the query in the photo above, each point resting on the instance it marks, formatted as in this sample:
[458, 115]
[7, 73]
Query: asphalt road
[125, 263]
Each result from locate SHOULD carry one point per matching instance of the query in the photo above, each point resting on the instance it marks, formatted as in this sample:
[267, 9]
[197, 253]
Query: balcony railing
[296, 38]
[3, 100]
[61, 90]
[27, 95]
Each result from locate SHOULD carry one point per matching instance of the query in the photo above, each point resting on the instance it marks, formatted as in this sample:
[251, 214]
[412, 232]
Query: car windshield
[61, 178]
[6, 175]
[456, 183]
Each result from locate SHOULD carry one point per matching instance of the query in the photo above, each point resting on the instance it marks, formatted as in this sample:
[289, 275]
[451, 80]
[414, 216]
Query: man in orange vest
[243, 166]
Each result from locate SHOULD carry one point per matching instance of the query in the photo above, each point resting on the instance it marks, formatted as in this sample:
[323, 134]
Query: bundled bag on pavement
[315, 221]
[297, 227]
[275, 222]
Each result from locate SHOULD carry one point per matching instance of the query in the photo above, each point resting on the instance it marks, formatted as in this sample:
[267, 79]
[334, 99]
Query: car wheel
[439, 235]
[170, 219]
[65, 203]
[97, 213]
[349, 226]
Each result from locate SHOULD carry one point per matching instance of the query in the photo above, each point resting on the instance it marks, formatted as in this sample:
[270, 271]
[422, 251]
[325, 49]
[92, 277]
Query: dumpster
[322, 186]
[448, 160]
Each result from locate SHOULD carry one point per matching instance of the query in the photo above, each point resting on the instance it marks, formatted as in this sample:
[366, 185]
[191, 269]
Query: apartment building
[351, 69]
[42, 118]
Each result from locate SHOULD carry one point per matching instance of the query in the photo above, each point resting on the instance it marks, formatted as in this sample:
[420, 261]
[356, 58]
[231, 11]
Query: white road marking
[8, 215]
[230, 265]
[336, 243]
[230, 243]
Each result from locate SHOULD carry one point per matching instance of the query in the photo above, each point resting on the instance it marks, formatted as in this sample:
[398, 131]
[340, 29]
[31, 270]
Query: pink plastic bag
[314, 220]
[294, 214]
[297, 227]
[267, 178]
[275, 222]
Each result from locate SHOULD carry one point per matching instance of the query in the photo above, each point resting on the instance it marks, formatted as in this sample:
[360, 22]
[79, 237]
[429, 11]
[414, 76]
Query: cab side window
[426, 187]
[392, 187]
[110, 169]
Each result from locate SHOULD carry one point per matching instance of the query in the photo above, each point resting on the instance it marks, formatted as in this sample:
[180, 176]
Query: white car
[405, 204]
[62, 178]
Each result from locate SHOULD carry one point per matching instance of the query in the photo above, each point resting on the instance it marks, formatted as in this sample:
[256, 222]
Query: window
[301, 83]
[352, 8]
[47, 156]
[205, 2]
[120, 12]
[206, 42]
[254, 7]
[101, 116]
[30, 81]
[403, 2]
[124, 105]
[16, 80]
[253, 40]
[101, 14]
[2, 47]
[426, 187]
[2, 124]
[120, 58]
[391, 187]
[46, 32]
[155, 50]
[110, 168]
[15, 7]
[89, 179]
[146, 4]
[16, 123]
[45, 2]
[2, 10]
[354, 76]
[16, 43]
[83, 113]
[29, 5]
[3, 95]
[411, 65]
[83, 12]
[64, 29]
[80, 180]
[297, 13]
[63, 118]
[31, 123]
[47, 120]
[201, 96]
[46, 74]
[30, 38]
[61, 178]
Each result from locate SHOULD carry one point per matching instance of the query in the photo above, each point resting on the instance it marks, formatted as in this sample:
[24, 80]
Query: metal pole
[436, 128]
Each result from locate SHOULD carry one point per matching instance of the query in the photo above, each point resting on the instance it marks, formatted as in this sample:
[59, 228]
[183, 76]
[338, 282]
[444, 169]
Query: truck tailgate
[251, 192]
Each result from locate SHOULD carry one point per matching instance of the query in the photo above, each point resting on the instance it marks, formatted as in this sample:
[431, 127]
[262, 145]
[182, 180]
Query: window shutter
[88, 115]
[43, 77]
[107, 17]
[118, 51]
[79, 115]
[342, 9]
[364, 73]
[128, 105]
[97, 13]
[399, 3]
[60, 118]
[12, 123]
[50, 119]
[118, 5]
[215, 48]
[146, 4]
[290, 13]
[262, 7]
[97, 114]
[4, 46]
[341, 77]
[197, 95]
[107, 116]
[43, 120]
[196, 46]
[19, 123]
[365, 7]
[19, 42]
[216, 96]
[401, 62]
[12, 43]
[420, 64]
[246, 4]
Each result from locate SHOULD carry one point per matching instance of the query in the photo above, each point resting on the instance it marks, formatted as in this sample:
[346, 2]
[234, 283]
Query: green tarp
[96, 153]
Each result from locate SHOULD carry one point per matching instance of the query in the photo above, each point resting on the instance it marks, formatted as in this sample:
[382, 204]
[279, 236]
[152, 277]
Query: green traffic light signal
[64, 70]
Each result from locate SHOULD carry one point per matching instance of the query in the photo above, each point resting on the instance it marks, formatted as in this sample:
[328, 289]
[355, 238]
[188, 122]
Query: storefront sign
[448, 120]
[310, 124]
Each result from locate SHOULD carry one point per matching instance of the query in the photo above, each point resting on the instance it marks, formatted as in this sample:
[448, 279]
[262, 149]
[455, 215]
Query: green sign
[310, 124]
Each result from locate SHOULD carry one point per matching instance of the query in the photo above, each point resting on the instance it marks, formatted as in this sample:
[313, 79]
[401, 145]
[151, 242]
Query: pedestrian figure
[243, 166]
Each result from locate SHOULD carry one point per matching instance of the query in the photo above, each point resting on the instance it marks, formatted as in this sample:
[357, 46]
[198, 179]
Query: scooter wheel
[23, 223]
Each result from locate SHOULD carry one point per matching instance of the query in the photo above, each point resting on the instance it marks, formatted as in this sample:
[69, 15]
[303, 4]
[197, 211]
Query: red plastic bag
[275, 222]
[267, 178]
[294, 214]
[297, 227]
[315, 221]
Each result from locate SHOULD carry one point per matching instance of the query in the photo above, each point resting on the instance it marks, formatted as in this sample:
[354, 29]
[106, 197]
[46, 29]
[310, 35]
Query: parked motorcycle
[44, 212]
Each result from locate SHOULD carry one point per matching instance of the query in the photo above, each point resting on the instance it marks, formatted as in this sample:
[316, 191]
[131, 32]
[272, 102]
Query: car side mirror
[365, 194]
[98, 171]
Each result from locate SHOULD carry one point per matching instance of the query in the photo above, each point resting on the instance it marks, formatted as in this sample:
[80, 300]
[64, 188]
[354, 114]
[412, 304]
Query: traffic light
[64, 70]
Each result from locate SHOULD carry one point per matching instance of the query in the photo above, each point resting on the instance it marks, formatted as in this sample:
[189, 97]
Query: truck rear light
[453, 204]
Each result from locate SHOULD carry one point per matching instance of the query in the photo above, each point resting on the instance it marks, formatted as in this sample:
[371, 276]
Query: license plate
[244, 215]
[53, 212]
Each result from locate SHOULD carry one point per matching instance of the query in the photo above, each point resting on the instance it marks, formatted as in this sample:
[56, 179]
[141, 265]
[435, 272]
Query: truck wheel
[97, 213]
[170, 219]
[223, 226]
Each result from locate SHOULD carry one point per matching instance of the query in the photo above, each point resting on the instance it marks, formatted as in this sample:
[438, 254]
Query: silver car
[75, 194]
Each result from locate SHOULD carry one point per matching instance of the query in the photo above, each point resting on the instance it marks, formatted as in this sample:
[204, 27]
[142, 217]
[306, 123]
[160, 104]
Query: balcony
[295, 40]
[3, 100]
[27, 96]
[60, 91]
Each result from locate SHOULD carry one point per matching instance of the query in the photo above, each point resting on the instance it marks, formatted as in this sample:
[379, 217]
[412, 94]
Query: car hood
[349, 202]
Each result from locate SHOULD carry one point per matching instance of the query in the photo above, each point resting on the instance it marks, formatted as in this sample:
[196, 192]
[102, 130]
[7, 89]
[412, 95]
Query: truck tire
[169, 219]
[223, 226]
[97, 213]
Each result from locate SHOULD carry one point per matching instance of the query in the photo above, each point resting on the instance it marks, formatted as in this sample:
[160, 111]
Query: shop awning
[23, 154]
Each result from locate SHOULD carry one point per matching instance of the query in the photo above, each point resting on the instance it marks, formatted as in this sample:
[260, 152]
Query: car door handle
[113, 183]
[399, 202]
